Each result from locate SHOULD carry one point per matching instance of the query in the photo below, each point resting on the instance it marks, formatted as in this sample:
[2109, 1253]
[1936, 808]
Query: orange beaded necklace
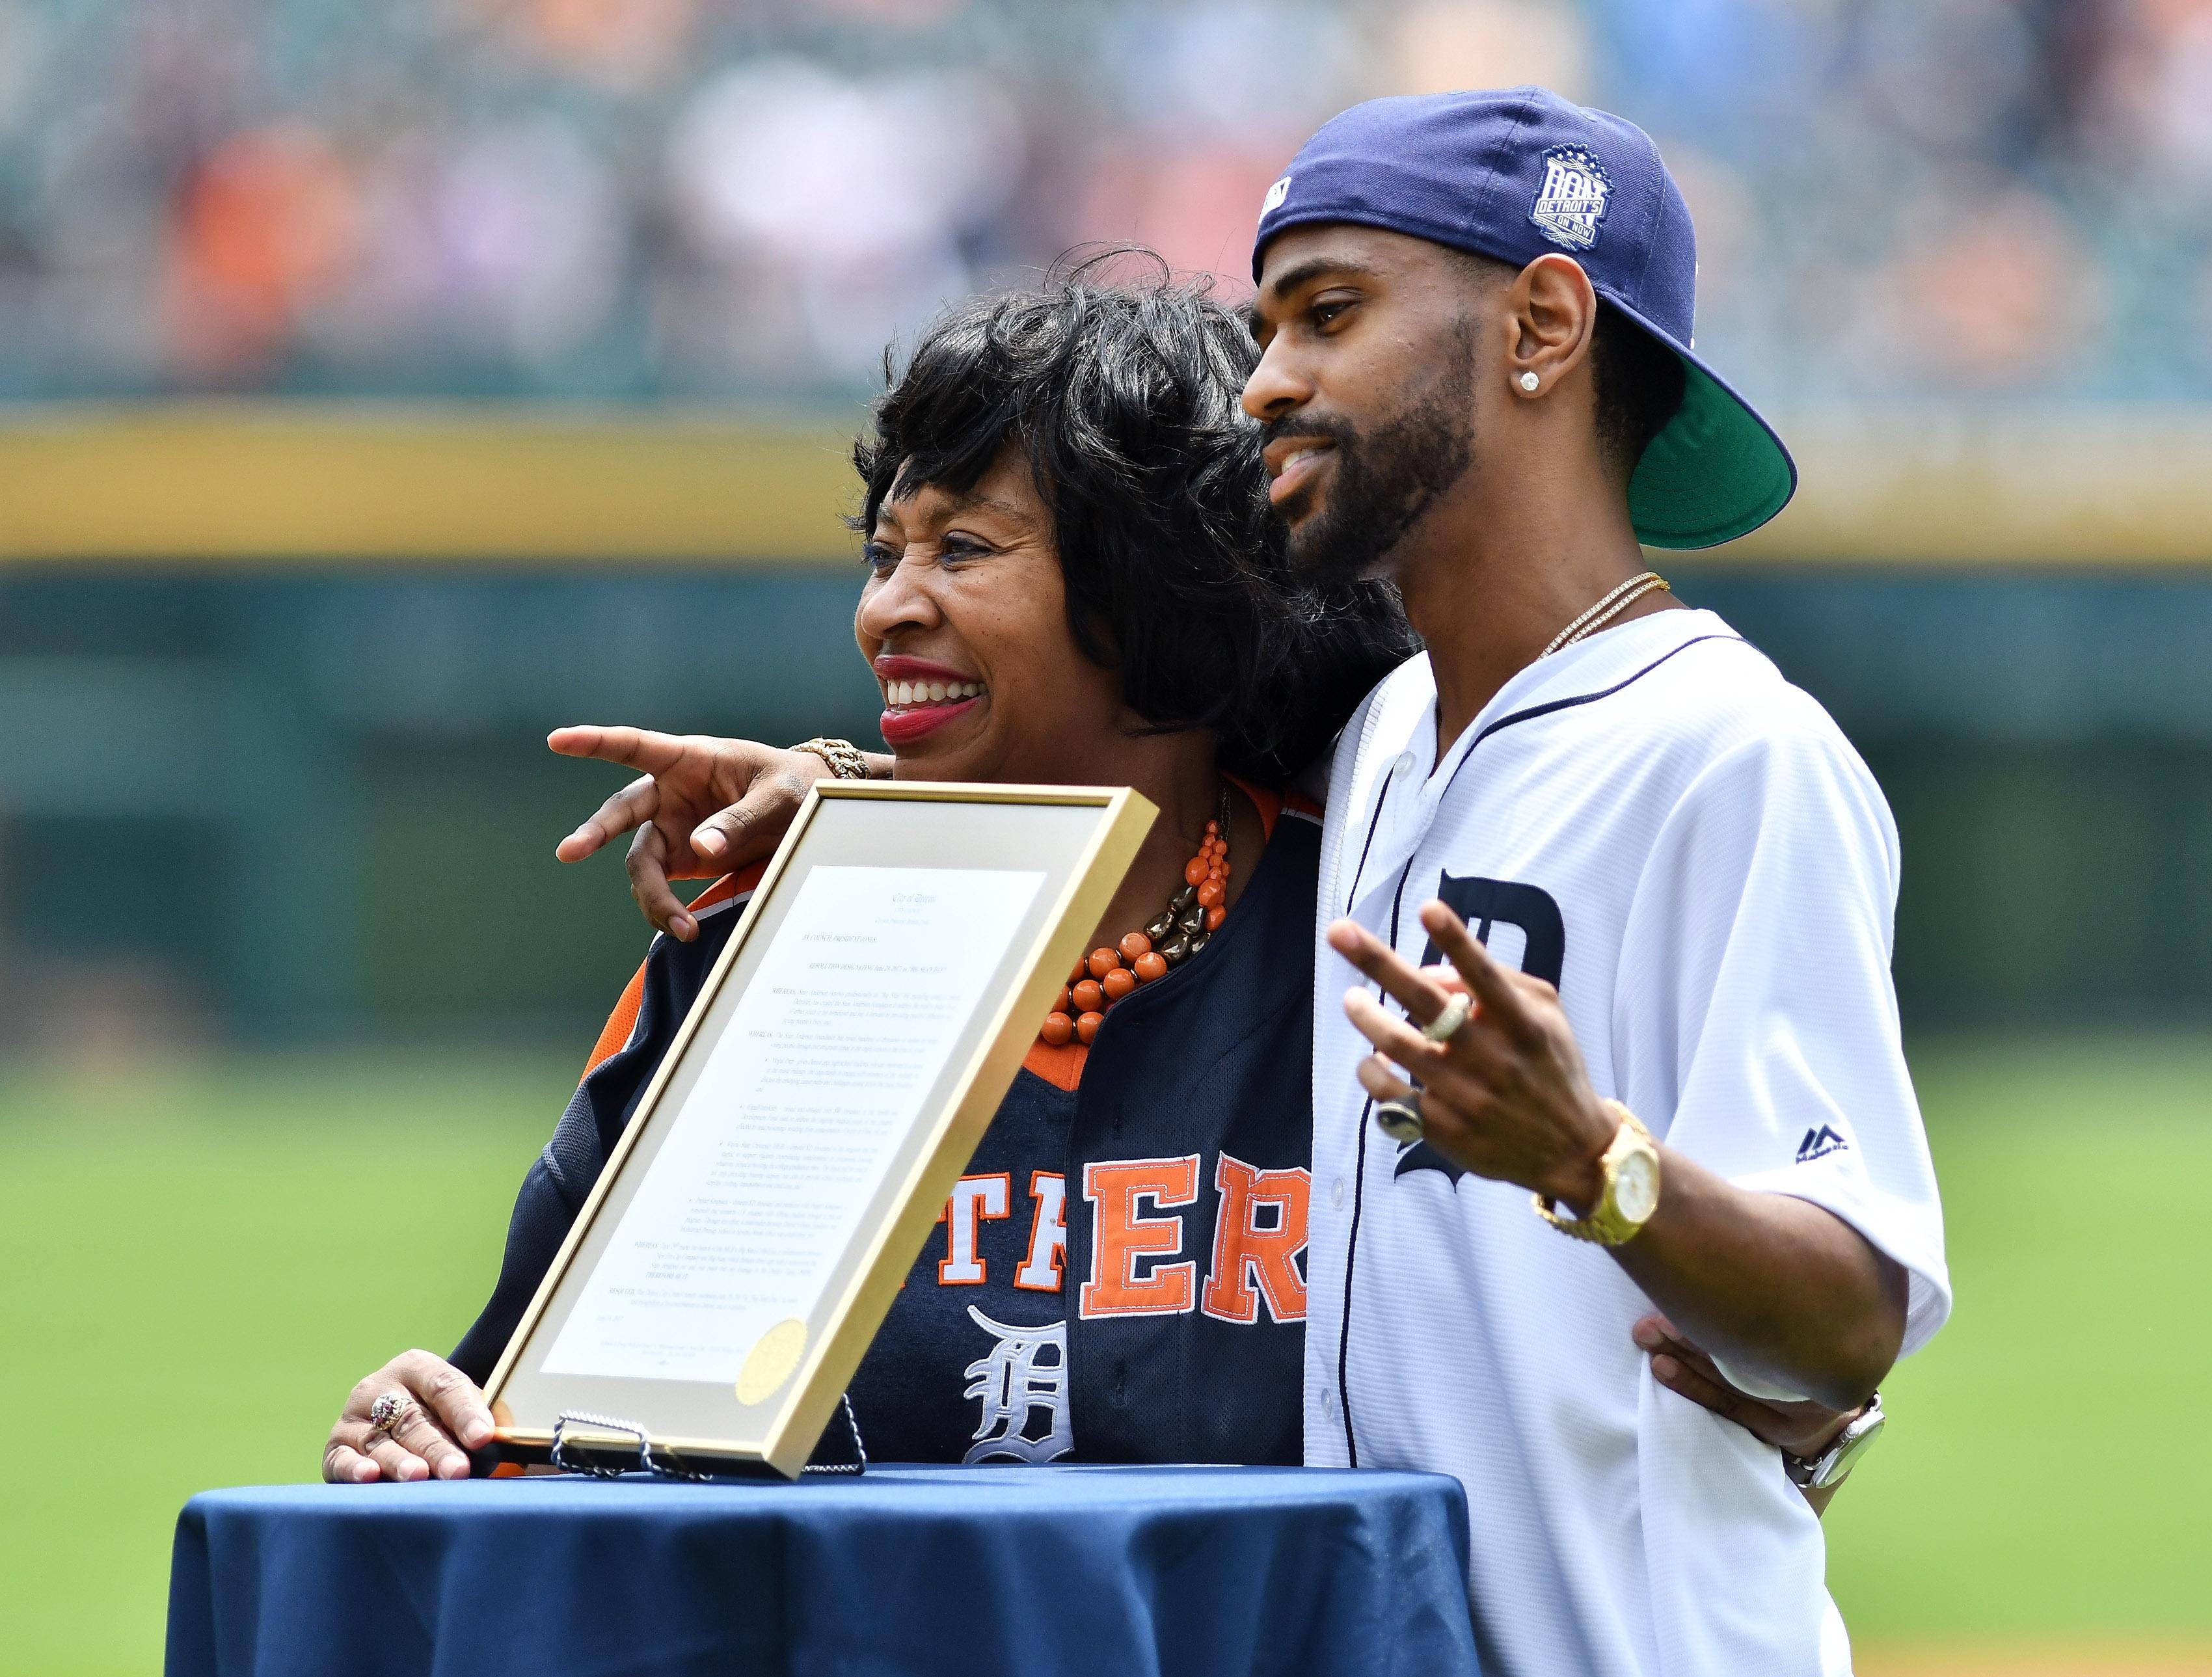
[1191, 916]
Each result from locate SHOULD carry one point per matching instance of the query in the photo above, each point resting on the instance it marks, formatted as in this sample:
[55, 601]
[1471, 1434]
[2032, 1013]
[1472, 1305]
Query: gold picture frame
[1077, 843]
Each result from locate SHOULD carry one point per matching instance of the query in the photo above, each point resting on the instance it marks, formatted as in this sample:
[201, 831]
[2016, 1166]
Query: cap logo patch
[1276, 194]
[1572, 201]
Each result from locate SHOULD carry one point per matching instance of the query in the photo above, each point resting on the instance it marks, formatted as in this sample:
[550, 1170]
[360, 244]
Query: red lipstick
[905, 724]
[897, 666]
[904, 727]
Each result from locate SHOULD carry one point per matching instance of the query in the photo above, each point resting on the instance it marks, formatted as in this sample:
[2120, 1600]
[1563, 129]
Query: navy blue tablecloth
[972, 1572]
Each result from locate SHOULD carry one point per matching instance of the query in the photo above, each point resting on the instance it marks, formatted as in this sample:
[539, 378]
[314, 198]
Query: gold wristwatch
[1630, 1165]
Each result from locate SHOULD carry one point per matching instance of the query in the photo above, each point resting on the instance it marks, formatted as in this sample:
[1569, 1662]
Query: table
[1132, 1572]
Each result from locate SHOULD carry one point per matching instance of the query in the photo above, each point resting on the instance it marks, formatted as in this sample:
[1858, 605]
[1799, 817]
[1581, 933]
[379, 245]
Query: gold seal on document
[771, 1360]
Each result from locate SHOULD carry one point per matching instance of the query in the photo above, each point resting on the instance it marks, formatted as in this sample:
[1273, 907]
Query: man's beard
[1385, 483]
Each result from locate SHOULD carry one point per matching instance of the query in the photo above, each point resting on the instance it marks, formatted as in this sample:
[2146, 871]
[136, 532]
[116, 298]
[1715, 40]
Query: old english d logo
[1482, 903]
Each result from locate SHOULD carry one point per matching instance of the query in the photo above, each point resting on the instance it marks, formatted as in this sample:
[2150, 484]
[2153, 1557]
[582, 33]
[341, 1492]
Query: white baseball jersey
[1656, 822]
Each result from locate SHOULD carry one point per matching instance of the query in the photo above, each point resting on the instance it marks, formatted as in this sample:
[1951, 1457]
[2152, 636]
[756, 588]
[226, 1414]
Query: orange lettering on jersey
[1256, 1240]
[974, 1199]
[1040, 1271]
[1121, 1239]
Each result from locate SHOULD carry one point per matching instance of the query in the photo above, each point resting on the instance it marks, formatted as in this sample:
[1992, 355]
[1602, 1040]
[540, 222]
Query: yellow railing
[277, 483]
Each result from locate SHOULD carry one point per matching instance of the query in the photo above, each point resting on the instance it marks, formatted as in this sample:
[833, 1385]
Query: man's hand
[701, 807]
[442, 1416]
[1783, 1289]
[1804, 1429]
[1507, 1096]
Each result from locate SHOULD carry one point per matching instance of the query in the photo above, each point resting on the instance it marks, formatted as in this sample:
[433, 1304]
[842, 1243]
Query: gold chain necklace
[1608, 608]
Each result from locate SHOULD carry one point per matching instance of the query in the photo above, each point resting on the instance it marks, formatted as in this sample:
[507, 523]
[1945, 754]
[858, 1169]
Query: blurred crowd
[714, 198]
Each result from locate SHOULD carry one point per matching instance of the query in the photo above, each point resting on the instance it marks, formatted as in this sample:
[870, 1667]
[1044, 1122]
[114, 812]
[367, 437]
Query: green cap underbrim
[1716, 473]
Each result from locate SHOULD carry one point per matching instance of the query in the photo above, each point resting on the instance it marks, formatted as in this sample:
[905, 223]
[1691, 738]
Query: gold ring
[1459, 1006]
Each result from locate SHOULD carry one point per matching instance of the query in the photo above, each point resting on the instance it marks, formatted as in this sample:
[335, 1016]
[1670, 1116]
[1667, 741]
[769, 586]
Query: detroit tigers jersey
[1118, 1274]
[1658, 823]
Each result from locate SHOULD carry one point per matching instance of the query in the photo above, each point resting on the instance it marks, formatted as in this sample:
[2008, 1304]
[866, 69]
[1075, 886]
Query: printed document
[795, 1120]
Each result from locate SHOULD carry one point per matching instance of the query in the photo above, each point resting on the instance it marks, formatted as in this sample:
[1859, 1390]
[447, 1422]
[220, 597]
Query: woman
[1070, 579]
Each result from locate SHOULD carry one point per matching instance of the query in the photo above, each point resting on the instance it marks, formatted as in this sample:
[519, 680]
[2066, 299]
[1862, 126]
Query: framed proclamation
[799, 1141]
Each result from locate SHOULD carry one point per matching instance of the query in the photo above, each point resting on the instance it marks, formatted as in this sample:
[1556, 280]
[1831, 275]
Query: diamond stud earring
[1529, 381]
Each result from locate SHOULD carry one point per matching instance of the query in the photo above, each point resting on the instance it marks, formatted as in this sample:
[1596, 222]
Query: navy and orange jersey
[1120, 1273]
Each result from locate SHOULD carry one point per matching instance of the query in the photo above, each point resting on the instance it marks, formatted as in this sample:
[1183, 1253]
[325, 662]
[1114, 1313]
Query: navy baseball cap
[1515, 173]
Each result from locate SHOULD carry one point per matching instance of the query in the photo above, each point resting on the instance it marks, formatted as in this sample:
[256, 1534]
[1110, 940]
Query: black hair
[1635, 381]
[1637, 385]
[1123, 394]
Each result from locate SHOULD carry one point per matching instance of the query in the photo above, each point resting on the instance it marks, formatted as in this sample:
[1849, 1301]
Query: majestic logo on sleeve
[1819, 1144]
[1018, 1385]
[1571, 202]
[1485, 905]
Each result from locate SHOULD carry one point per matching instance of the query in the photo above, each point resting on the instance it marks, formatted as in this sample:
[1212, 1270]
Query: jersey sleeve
[1756, 1011]
[629, 1049]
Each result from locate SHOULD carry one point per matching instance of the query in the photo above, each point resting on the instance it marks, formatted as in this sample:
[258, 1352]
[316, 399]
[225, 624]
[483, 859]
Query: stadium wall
[275, 696]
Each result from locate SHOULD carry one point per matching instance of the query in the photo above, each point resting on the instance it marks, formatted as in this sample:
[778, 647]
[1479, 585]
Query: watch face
[1636, 1186]
[1847, 1450]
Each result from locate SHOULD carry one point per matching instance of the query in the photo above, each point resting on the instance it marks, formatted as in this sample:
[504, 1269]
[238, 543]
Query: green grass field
[202, 1259]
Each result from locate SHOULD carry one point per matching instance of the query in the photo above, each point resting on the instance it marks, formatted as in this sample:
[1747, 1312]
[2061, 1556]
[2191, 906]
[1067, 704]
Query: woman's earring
[1529, 381]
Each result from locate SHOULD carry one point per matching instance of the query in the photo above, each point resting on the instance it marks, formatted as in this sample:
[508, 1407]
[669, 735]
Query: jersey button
[1328, 1404]
[1336, 1194]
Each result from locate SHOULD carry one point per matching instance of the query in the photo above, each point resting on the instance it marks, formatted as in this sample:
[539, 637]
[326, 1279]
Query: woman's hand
[442, 1416]
[701, 807]
[1804, 1429]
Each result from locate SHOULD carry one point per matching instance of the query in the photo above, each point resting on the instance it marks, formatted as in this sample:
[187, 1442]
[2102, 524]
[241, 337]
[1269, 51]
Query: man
[1683, 1048]
[1671, 1026]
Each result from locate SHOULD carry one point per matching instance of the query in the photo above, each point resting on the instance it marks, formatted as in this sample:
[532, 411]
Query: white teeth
[930, 692]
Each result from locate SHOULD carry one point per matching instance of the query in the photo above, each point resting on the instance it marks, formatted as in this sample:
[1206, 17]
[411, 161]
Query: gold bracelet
[842, 755]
